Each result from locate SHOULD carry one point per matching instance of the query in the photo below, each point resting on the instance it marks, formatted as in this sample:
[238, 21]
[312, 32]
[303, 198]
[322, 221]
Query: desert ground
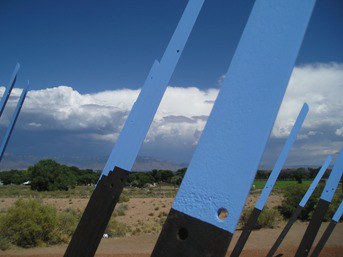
[145, 216]
[259, 243]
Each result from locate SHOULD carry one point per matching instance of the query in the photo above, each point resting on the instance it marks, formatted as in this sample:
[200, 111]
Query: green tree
[48, 175]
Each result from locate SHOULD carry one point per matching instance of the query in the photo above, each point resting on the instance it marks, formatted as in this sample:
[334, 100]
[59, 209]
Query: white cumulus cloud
[183, 111]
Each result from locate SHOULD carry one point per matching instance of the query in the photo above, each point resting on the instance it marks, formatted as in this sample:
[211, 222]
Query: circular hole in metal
[222, 213]
[182, 234]
[177, 50]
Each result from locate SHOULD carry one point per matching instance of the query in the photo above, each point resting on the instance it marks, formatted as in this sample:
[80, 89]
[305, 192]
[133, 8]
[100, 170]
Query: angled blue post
[13, 122]
[282, 159]
[9, 88]
[315, 181]
[225, 162]
[127, 146]
[327, 233]
[270, 183]
[338, 214]
[94, 220]
[300, 207]
[322, 207]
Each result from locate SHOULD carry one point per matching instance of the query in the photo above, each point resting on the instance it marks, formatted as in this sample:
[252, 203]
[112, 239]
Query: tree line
[48, 175]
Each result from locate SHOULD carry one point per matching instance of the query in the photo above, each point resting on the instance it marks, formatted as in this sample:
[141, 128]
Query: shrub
[147, 227]
[333, 207]
[292, 197]
[28, 223]
[116, 229]
[120, 210]
[123, 198]
[67, 222]
[269, 218]
[4, 243]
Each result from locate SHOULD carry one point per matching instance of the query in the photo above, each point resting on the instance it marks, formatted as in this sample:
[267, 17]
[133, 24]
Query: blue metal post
[127, 146]
[322, 207]
[13, 121]
[226, 159]
[328, 231]
[270, 183]
[93, 223]
[300, 207]
[8, 89]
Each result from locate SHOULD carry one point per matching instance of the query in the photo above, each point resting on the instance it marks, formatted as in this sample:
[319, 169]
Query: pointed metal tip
[306, 106]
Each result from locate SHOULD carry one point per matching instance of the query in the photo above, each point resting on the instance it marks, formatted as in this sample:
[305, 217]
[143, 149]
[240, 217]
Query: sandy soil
[150, 209]
[145, 209]
[140, 246]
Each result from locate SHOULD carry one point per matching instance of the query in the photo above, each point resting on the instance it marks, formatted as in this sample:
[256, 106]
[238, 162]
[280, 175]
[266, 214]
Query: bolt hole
[182, 234]
[177, 50]
[222, 213]
[150, 77]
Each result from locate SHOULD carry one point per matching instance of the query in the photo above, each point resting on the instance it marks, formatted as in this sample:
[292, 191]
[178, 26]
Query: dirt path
[141, 246]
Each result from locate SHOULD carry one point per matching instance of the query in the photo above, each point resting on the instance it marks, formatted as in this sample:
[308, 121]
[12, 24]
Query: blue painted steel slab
[13, 121]
[333, 180]
[282, 158]
[224, 164]
[315, 181]
[9, 88]
[338, 213]
[127, 146]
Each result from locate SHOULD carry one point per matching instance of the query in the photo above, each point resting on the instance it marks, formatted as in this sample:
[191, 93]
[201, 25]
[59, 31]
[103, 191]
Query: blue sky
[94, 46]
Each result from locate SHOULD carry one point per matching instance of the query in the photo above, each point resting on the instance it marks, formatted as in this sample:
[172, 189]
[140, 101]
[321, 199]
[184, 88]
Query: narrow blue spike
[334, 178]
[243, 238]
[9, 88]
[315, 182]
[13, 121]
[298, 210]
[282, 158]
[131, 137]
[338, 214]
[321, 208]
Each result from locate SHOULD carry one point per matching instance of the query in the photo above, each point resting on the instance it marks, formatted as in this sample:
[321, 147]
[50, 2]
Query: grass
[25, 191]
[279, 185]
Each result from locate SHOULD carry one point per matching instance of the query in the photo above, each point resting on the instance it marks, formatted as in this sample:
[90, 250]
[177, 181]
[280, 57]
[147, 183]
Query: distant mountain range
[143, 163]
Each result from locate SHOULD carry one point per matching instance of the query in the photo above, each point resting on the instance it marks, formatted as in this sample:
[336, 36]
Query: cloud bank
[183, 113]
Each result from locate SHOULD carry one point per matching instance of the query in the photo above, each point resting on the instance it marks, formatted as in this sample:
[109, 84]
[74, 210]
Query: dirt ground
[150, 209]
[144, 209]
[141, 246]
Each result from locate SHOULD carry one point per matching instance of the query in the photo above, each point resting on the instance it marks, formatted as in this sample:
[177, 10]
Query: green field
[259, 184]
[86, 191]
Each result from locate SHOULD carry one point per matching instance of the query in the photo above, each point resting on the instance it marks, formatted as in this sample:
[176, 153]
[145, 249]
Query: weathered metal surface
[226, 159]
[185, 236]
